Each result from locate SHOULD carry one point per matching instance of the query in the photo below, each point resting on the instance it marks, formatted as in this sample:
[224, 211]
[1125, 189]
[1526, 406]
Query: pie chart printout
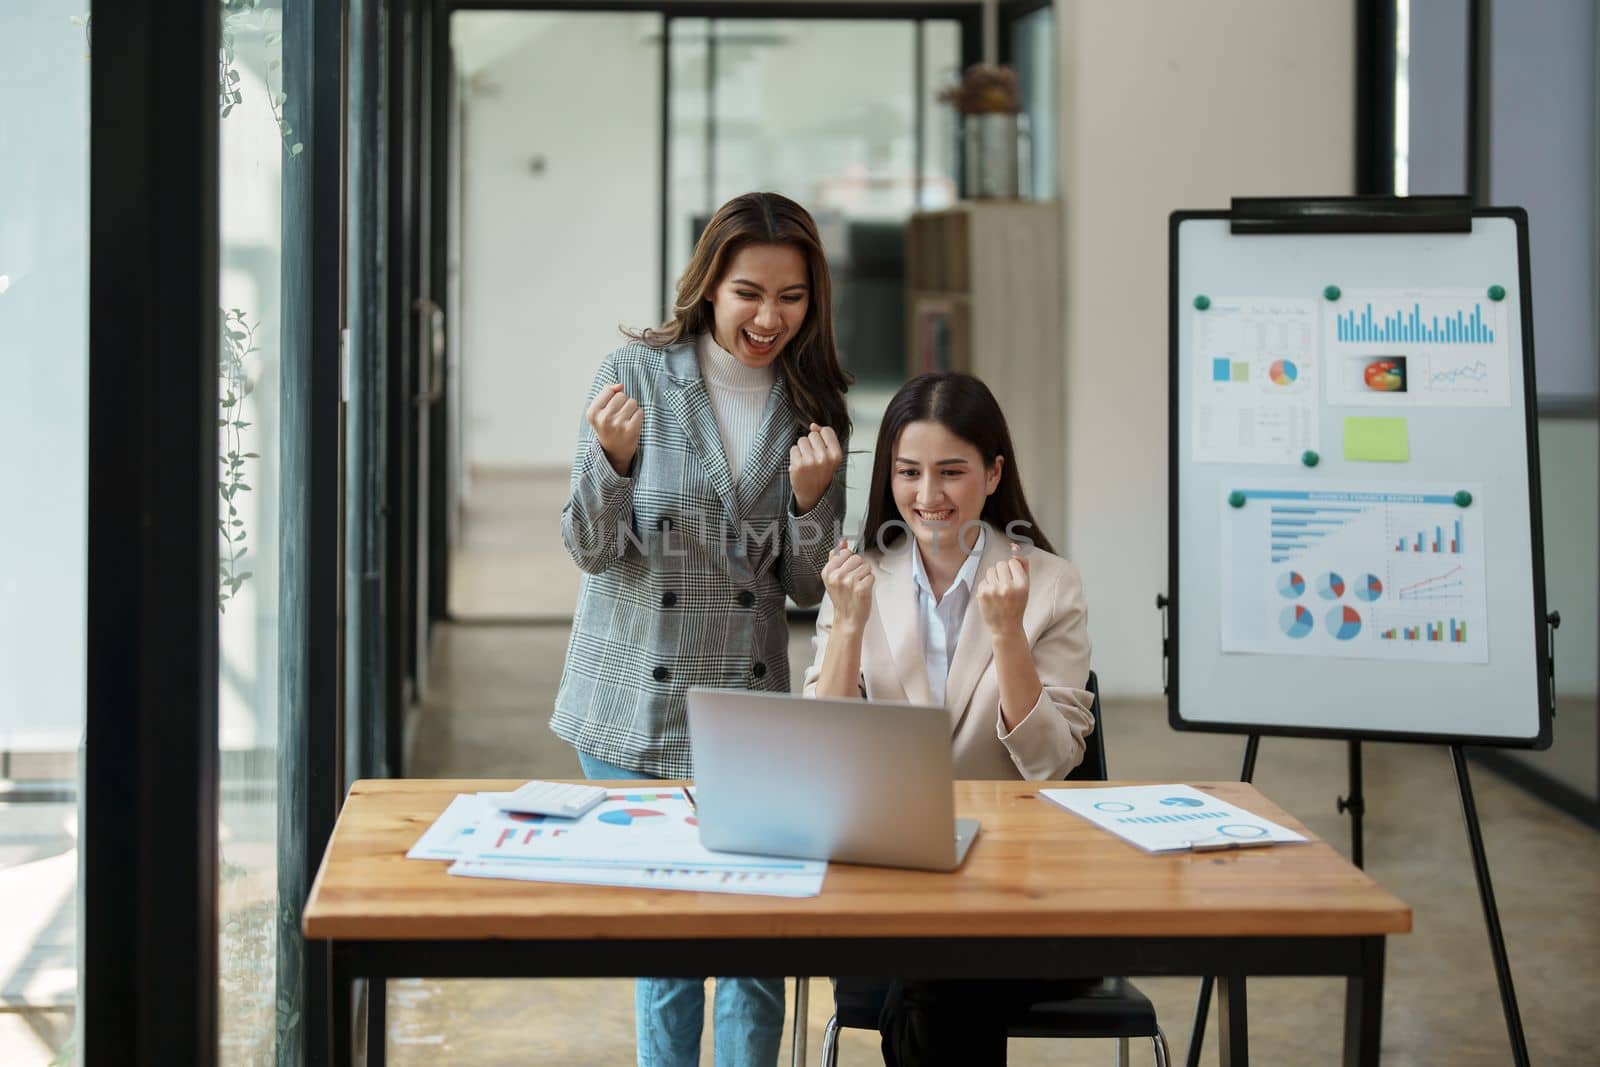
[1344, 622]
[1296, 621]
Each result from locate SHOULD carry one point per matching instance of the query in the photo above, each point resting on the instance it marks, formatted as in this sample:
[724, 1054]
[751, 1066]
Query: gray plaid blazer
[684, 576]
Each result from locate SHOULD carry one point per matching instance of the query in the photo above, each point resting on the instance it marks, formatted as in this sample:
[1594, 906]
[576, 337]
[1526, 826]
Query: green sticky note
[1375, 440]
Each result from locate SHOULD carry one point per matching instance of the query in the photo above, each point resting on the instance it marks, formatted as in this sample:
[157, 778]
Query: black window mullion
[309, 671]
[400, 437]
[366, 499]
[150, 792]
[1376, 22]
[665, 174]
[440, 75]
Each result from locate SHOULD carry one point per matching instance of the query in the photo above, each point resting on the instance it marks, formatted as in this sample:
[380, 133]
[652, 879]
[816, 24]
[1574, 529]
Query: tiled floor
[492, 693]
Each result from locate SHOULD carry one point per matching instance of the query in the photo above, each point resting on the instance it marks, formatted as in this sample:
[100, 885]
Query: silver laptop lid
[846, 780]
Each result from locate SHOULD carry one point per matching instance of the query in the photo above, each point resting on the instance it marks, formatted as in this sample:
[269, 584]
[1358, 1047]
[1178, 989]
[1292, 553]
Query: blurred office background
[499, 186]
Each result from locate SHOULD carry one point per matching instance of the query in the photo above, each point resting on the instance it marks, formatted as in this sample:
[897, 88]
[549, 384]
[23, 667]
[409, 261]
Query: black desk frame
[1359, 959]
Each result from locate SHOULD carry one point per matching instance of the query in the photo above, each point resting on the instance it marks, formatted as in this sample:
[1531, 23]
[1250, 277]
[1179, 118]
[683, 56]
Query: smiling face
[940, 484]
[761, 302]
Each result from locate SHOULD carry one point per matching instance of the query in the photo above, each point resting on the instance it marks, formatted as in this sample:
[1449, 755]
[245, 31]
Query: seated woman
[956, 599]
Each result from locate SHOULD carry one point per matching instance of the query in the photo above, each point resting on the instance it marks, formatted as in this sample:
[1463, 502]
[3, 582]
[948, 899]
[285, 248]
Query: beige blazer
[1048, 742]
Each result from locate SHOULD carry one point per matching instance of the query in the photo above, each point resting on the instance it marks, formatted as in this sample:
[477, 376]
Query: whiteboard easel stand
[1355, 805]
[1391, 215]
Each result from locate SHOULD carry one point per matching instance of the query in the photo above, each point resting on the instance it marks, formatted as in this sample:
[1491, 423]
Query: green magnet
[1310, 458]
[1331, 292]
[1497, 292]
[1463, 499]
[1202, 302]
[1236, 499]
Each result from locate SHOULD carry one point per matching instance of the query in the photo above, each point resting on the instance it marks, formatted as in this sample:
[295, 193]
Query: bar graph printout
[1255, 377]
[1417, 348]
[1355, 571]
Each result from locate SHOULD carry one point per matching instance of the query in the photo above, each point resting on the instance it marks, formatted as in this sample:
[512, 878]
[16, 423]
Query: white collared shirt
[940, 620]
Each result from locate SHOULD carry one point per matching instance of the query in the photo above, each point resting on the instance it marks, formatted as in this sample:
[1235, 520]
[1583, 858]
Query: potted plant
[994, 130]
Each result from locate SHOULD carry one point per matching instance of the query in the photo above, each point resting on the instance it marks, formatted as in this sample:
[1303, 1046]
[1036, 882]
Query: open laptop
[847, 780]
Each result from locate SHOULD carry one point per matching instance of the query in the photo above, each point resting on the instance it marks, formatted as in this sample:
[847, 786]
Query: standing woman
[957, 600]
[708, 486]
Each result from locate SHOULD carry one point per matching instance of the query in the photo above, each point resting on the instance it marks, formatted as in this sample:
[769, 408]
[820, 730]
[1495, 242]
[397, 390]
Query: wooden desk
[1042, 894]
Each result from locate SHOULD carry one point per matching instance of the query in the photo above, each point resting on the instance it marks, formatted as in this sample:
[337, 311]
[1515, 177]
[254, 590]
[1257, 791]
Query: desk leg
[377, 1021]
[341, 1025]
[1363, 1007]
[1233, 1028]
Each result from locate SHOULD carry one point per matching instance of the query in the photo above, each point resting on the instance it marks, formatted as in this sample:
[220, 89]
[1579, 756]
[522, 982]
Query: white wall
[1166, 106]
[552, 263]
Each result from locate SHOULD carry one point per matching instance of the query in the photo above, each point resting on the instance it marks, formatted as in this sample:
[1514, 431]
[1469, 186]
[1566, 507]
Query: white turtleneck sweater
[738, 397]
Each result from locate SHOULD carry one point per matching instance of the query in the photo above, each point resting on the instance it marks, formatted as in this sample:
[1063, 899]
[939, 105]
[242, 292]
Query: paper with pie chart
[1255, 378]
[1417, 348]
[630, 827]
[1165, 818]
[1357, 571]
[644, 838]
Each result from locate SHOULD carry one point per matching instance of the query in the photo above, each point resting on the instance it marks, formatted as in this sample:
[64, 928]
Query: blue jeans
[668, 1013]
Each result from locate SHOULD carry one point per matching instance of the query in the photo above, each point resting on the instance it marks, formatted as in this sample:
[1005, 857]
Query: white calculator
[566, 800]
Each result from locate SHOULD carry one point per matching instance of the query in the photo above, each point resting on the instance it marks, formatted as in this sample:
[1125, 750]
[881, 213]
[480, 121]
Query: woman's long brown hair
[810, 362]
[963, 405]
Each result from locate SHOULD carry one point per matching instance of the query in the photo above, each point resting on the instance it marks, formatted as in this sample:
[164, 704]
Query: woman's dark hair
[963, 405]
[810, 362]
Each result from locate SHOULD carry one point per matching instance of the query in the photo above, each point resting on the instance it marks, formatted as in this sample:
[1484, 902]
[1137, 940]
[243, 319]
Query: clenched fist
[616, 419]
[812, 461]
[1002, 594]
[848, 579]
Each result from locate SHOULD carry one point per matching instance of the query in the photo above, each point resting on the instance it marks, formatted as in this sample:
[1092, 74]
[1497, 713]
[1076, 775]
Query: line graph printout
[1255, 378]
[1417, 348]
[1355, 571]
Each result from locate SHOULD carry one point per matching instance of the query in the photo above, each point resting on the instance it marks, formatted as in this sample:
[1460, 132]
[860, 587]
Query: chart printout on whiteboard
[1422, 361]
[1368, 571]
[1255, 380]
[1417, 348]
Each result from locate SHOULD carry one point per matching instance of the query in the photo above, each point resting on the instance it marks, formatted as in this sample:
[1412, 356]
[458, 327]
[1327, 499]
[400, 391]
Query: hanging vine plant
[238, 344]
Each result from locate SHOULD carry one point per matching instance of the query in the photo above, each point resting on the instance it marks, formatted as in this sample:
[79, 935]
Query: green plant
[238, 343]
[240, 15]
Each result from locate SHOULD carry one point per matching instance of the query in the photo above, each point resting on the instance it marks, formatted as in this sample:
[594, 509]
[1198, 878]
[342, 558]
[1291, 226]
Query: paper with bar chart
[1255, 377]
[1417, 348]
[1356, 571]
[643, 837]
[1165, 818]
[805, 882]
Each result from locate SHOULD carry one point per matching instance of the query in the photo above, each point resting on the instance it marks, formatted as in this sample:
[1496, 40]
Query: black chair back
[1093, 767]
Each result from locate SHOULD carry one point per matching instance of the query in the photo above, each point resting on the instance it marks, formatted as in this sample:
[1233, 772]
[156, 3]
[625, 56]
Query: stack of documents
[640, 837]
[1166, 818]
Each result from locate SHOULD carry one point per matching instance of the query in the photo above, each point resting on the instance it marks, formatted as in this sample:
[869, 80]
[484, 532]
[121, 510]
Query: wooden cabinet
[984, 295]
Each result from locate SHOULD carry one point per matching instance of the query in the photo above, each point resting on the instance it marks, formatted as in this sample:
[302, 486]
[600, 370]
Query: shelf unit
[984, 295]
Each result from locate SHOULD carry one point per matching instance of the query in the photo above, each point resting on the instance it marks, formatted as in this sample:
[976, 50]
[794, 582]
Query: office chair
[1109, 1008]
